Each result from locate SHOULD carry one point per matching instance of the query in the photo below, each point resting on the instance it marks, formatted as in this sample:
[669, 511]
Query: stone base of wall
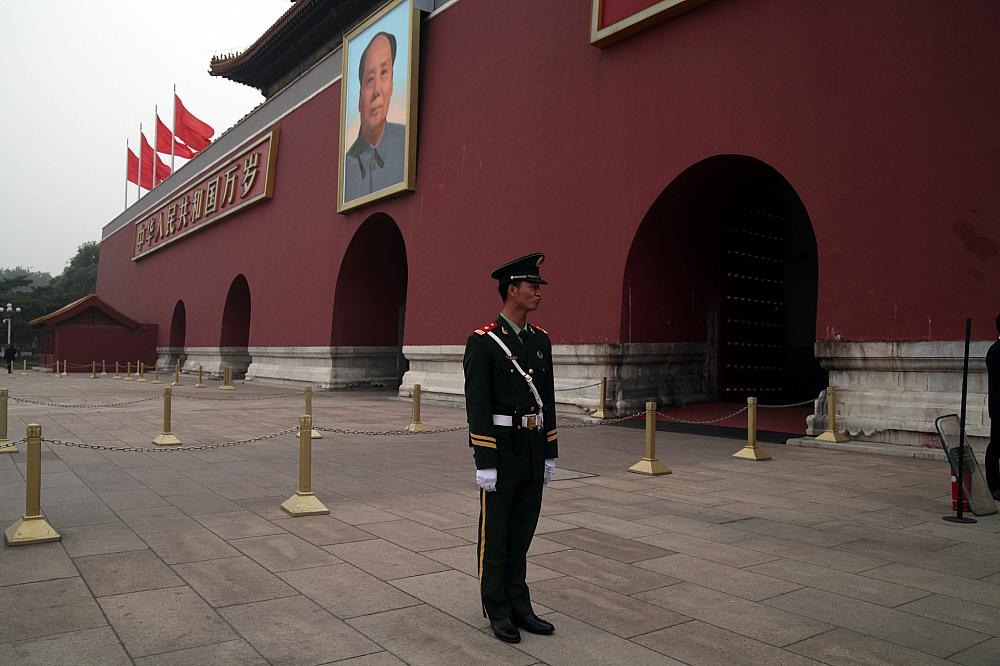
[671, 374]
[892, 392]
[327, 367]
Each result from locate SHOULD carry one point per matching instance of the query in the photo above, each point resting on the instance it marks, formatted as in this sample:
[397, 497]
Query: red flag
[133, 167]
[189, 129]
[162, 170]
[163, 142]
[146, 153]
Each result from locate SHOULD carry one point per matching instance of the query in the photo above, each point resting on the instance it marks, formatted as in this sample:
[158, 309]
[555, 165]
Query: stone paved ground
[186, 558]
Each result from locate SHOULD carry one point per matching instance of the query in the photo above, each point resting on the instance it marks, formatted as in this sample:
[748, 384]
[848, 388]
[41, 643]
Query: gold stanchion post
[65, 372]
[177, 375]
[200, 383]
[416, 425]
[32, 527]
[166, 438]
[104, 372]
[5, 445]
[227, 380]
[649, 464]
[304, 502]
[93, 369]
[751, 451]
[116, 375]
[602, 401]
[832, 434]
[315, 434]
[156, 374]
[128, 372]
[140, 374]
[24, 367]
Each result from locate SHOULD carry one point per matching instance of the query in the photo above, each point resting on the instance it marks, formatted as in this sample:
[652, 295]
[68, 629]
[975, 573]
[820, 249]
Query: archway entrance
[370, 305]
[725, 262]
[178, 327]
[234, 337]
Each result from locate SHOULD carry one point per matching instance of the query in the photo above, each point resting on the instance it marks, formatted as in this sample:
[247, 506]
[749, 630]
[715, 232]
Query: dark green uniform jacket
[494, 386]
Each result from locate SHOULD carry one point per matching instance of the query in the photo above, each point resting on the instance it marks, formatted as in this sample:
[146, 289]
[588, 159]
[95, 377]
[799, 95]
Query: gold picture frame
[606, 35]
[373, 106]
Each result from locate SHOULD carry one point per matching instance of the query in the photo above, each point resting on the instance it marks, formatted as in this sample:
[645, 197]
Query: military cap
[523, 268]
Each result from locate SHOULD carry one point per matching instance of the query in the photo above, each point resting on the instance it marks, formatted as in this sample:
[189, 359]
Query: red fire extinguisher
[954, 491]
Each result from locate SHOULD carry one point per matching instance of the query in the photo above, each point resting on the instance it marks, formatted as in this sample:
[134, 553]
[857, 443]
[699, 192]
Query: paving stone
[413, 536]
[698, 643]
[26, 564]
[203, 503]
[621, 578]
[748, 618]
[268, 507]
[721, 577]
[132, 571]
[188, 545]
[347, 591]
[824, 557]
[810, 535]
[961, 612]
[47, 607]
[377, 659]
[624, 528]
[228, 652]
[159, 519]
[284, 552]
[603, 608]
[451, 592]
[463, 558]
[358, 513]
[89, 647]
[295, 631]
[731, 555]
[984, 654]
[166, 487]
[831, 580]
[670, 525]
[424, 635]
[438, 517]
[577, 643]
[98, 539]
[129, 500]
[606, 545]
[383, 559]
[887, 624]
[325, 530]
[842, 647]
[891, 535]
[921, 558]
[239, 490]
[238, 524]
[977, 591]
[75, 514]
[985, 553]
[234, 580]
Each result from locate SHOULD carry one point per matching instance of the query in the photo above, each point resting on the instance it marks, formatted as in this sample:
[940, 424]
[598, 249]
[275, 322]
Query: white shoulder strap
[526, 376]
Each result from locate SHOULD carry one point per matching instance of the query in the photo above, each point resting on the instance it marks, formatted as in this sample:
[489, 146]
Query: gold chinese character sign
[244, 179]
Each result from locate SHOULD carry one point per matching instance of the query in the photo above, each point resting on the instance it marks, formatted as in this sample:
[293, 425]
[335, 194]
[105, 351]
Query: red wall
[880, 115]
[83, 344]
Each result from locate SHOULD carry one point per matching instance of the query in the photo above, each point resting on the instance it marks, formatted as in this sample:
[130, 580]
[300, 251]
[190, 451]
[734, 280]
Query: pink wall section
[881, 116]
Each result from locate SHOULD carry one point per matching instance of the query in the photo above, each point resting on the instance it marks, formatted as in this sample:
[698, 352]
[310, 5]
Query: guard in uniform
[510, 400]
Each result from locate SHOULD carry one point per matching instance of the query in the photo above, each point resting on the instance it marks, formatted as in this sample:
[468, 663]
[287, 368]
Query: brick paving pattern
[817, 556]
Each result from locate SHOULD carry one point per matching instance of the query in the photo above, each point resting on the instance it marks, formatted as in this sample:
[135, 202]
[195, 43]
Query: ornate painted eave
[305, 33]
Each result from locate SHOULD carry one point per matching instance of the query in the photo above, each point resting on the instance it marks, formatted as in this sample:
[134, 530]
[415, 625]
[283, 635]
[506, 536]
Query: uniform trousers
[507, 520]
[992, 461]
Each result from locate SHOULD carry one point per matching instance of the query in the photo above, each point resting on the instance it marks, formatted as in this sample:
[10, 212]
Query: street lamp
[10, 309]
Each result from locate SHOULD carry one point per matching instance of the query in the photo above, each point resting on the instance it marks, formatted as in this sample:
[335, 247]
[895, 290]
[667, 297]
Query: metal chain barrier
[84, 405]
[388, 433]
[249, 397]
[577, 388]
[791, 404]
[160, 449]
[705, 422]
[601, 422]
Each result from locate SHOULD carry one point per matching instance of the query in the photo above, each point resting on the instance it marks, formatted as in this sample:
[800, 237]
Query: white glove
[550, 470]
[487, 479]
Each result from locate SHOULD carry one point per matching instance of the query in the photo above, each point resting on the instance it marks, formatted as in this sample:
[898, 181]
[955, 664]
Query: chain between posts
[791, 404]
[705, 422]
[388, 433]
[161, 449]
[84, 405]
[578, 388]
[242, 398]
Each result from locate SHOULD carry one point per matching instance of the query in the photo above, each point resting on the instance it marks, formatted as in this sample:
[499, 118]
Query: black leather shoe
[534, 624]
[995, 493]
[505, 630]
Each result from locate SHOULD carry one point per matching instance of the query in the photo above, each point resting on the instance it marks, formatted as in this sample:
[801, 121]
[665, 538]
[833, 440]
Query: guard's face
[376, 88]
[526, 296]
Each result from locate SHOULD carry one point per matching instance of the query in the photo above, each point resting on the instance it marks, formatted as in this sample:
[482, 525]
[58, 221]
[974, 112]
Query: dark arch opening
[234, 337]
[178, 326]
[370, 299]
[725, 259]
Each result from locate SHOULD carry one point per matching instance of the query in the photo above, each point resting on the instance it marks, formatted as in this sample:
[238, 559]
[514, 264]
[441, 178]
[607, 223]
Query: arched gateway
[178, 334]
[723, 271]
[234, 336]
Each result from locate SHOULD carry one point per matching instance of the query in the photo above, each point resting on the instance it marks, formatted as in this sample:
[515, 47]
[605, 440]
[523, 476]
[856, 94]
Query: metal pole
[141, 368]
[104, 371]
[304, 502]
[315, 434]
[32, 527]
[116, 375]
[649, 464]
[93, 369]
[601, 413]
[177, 375]
[200, 383]
[832, 432]
[415, 424]
[958, 517]
[5, 445]
[166, 438]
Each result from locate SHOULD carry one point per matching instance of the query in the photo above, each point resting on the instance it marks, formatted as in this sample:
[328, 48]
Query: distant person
[993, 394]
[9, 354]
[375, 159]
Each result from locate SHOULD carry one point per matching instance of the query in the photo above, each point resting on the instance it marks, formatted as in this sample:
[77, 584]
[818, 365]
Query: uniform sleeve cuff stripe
[483, 438]
[487, 445]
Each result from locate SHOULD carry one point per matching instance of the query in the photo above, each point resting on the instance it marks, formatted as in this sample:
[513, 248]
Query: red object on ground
[954, 493]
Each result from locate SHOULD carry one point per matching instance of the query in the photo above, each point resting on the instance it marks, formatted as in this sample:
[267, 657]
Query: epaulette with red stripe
[540, 328]
[486, 328]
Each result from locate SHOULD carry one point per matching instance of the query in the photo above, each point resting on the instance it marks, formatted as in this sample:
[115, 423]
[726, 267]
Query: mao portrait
[378, 107]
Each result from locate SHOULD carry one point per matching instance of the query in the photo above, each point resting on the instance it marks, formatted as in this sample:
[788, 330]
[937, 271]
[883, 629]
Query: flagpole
[173, 130]
[138, 186]
[126, 174]
[156, 138]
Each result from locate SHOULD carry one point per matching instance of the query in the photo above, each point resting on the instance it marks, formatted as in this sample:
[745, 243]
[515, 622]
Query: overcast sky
[78, 78]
